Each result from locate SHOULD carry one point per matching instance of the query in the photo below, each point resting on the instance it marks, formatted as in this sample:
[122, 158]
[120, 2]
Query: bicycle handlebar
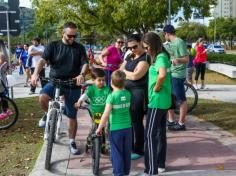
[60, 82]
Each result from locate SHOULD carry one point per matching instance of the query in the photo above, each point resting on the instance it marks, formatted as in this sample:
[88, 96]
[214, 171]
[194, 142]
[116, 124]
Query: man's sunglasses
[133, 47]
[71, 36]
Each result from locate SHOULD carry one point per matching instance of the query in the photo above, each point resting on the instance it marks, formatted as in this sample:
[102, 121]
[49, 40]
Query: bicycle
[8, 113]
[54, 116]
[192, 98]
[8, 109]
[97, 144]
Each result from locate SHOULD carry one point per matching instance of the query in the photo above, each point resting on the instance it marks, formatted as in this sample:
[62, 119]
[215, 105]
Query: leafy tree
[114, 17]
[191, 31]
[225, 30]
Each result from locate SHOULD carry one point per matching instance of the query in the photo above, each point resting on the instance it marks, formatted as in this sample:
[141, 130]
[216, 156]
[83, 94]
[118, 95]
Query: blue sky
[25, 3]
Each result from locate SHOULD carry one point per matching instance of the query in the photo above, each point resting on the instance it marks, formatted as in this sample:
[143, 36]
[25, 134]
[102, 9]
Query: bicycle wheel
[51, 137]
[96, 155]
[8, 113]
[192, 98]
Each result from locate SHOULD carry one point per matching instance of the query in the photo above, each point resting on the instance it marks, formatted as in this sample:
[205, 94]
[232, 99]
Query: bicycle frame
[59, 106]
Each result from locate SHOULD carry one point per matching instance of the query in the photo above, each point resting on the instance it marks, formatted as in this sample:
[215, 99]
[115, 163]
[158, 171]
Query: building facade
[225, 8]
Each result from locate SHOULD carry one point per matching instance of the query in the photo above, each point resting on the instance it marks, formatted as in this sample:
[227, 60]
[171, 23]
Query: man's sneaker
[135, 156]
[31, 93]
[161, 170]
[73, 149]
[177, 127]
[42, 121]
[170, 123]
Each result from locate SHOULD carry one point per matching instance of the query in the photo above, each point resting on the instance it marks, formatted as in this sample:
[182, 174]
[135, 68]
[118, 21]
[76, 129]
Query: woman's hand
[156, 88]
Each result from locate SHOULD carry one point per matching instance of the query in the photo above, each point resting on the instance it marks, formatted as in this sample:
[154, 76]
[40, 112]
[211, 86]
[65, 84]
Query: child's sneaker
[5, 114]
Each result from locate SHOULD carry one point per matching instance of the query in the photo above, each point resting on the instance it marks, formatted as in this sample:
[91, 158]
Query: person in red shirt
[200, 62]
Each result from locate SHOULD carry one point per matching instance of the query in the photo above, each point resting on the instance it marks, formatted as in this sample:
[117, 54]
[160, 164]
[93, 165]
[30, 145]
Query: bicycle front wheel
[51, 136]
[96, 148]
[8, 113]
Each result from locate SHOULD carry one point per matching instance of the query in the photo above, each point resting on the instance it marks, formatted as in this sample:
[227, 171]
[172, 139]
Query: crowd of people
[142, 81]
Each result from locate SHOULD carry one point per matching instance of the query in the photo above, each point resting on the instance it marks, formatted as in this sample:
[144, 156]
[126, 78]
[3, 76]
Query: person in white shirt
[35, 51]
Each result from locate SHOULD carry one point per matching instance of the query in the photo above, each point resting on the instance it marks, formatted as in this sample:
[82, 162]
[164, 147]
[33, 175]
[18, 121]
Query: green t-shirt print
[120, 114]
[177, 49]
[97, 98]
[162, 98]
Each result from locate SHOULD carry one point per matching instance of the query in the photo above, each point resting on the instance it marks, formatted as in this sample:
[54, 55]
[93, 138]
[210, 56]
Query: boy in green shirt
[97, 93]
[117, 111]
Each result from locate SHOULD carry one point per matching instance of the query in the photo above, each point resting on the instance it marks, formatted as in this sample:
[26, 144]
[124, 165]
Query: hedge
[229, 59]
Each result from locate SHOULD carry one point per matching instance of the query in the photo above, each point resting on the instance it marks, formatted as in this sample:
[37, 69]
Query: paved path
[202, 150]
[225, 93]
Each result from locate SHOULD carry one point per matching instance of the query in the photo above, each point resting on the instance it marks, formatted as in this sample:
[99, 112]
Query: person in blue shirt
[24, 58]
[18, 54]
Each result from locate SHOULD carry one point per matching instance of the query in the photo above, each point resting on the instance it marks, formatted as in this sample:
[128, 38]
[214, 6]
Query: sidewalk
[202, 150]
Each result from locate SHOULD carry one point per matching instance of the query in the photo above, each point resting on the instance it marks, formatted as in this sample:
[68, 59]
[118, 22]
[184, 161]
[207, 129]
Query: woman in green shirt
[159, 96]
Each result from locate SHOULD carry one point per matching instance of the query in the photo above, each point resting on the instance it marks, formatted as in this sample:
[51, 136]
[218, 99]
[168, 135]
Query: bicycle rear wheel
[8, 113]
[192, 98]
[51, 137]
[96, 148]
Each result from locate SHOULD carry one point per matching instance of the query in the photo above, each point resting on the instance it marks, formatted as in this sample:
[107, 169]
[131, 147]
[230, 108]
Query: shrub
[229, 59]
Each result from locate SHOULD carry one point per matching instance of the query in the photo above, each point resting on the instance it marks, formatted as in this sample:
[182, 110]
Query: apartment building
[225, 8]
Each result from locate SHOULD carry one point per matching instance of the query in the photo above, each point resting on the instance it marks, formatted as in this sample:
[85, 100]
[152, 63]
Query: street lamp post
[169, 12]
[215, 26]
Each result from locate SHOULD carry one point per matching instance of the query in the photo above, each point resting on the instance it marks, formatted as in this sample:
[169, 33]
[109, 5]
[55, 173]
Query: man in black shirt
[67, 60]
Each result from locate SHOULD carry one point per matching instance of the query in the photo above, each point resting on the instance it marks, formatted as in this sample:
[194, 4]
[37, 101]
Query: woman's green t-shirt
[162, 98]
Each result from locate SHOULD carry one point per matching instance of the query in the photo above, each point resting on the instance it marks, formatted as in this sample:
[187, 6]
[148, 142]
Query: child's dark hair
[189, 46]
[97, 72]
[135, 37]
[118, 79]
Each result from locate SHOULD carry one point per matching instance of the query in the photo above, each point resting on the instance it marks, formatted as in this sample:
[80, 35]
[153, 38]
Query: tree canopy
[225, 29]
[114, 17]
[191, 31]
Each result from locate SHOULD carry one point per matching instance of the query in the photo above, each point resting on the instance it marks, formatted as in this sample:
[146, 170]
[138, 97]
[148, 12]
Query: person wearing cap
[35, 51]
[179, 59]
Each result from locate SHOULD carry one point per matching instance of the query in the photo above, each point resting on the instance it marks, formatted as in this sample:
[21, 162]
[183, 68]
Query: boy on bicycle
[117, 110]
[97, 93]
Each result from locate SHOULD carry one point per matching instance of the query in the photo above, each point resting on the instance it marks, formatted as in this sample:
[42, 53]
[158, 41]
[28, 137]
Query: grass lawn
[220, 113]
[21, 144]
[212, 77]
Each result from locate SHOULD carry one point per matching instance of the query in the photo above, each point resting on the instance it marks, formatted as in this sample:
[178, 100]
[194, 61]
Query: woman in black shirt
[136, 67]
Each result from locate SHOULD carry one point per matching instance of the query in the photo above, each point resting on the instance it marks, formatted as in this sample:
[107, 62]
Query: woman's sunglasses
[120, 42]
